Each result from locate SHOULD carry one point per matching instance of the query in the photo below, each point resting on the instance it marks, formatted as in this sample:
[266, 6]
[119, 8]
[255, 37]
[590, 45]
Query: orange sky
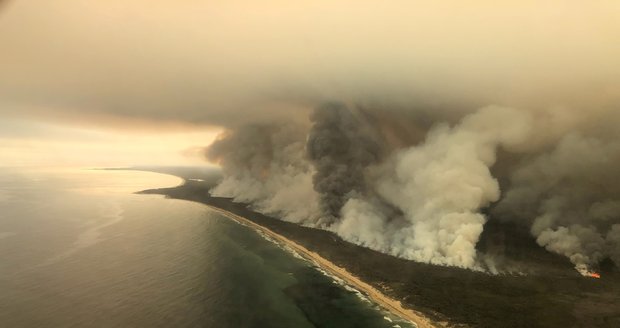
[151, 79]
[32, 143]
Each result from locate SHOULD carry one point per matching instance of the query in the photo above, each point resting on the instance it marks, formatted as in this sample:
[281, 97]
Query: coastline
[375, 295]
[431, 295]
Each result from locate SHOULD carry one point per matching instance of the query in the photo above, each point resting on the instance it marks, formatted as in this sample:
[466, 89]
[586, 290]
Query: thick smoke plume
[424, 199]
[340, 147]
[264, 166]
[572, 198]
[440, 187]
[416, 161]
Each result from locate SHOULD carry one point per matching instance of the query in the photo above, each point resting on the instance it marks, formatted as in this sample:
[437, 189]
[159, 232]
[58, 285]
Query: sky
[129, 82]
[397, 124]
[27, 143]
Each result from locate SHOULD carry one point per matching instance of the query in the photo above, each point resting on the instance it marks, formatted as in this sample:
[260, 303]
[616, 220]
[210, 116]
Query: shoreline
[430, 295]
[376, 296]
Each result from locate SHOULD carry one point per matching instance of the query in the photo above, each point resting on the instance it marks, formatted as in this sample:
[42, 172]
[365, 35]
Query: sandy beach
[375, 295]
[445, 296]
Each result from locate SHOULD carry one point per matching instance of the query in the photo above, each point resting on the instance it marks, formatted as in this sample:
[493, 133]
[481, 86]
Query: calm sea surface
[79, 249]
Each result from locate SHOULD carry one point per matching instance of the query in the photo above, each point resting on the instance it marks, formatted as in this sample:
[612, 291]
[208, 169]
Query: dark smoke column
[340, 146]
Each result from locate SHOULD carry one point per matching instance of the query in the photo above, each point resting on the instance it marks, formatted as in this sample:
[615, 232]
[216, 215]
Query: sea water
[79, 249]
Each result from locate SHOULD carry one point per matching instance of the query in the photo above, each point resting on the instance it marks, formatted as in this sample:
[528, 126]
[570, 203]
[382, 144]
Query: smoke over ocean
[403, 126]
[423, 196]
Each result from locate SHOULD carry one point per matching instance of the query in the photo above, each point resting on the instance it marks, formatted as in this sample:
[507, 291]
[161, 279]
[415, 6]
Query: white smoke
[440, 186]
[572, 196]
[365, 224]
[263, 166]
[383, 179]
[424, 199]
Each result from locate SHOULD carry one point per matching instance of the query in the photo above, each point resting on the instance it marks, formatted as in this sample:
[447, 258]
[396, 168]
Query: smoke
[572, 198]
[339, 146]
[242, 62]
[356, 171]
[440, 187]
[421, 202]
[413, 160]
[263, 166]
[346, 170]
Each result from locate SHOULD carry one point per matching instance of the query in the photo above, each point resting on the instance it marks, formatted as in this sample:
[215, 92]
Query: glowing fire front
[586, 272]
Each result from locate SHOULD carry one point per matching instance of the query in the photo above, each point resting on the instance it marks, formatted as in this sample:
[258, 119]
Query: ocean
[79, 249]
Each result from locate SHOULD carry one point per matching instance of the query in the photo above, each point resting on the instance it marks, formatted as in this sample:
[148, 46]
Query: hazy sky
[148, 81]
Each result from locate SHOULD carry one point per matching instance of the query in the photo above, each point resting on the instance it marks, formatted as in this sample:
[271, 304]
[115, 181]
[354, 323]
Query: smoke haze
[401, 126]
[425, 202]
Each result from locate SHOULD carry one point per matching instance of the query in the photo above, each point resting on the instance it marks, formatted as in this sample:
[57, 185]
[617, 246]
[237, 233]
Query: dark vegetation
[553, 294]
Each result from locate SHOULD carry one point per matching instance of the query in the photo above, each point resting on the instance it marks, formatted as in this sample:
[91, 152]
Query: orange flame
[586, 272]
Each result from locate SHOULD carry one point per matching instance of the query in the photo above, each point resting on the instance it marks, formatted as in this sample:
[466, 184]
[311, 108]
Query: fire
[586, 272]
